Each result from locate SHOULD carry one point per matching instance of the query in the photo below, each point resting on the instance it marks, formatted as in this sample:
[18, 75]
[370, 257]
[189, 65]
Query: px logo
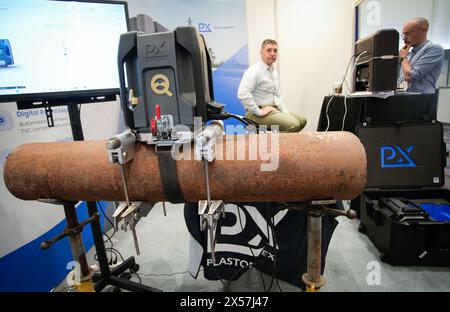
[251, 224]
[156, 49]
[203, 27]
[397, 157]
[5, 121]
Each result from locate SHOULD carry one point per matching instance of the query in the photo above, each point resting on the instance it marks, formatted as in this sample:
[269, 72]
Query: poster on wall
[25, 224]
[382, 14]
[24, 221]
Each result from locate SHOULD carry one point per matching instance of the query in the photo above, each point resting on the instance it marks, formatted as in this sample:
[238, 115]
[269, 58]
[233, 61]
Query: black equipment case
[405, 211]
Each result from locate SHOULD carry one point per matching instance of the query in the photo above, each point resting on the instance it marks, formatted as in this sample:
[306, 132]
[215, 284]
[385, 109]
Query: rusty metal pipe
[311, 166]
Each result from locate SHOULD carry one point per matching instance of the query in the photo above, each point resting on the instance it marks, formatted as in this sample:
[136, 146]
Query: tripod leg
[312, 278]
[77, 248]
[131, 286]
[127, 264]
[106, 276]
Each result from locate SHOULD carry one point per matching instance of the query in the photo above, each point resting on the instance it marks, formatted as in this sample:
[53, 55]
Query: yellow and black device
[171, 69]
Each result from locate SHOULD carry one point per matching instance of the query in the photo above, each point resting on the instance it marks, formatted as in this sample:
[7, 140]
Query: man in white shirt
[259, 91]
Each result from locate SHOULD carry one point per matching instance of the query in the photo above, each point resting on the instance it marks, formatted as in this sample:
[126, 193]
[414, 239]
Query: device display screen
[49, 47]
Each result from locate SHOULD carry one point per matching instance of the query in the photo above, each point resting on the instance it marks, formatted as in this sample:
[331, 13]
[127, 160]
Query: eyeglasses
[408, 34]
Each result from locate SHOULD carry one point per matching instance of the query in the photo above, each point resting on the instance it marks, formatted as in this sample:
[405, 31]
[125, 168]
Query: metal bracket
[206, 141]
[68, 232]
[209, 216]
[122, 147]
[130, 215]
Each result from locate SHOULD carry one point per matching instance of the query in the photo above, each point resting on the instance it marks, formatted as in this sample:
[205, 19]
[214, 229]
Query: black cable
[139, 278]
[339, 93]
[110, 240]
[112, 225]
[268, 216]
[118, 252]
[106, 217]
[345, 75]
[271, 224]
[244, 120]
[164, 274]
[275, 241]
[107, 249]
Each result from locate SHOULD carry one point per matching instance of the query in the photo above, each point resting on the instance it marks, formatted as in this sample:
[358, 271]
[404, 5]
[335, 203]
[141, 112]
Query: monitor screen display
[57, 49]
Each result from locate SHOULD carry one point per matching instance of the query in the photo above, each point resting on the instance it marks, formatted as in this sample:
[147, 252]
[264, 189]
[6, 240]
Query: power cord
[345, 113]
[109, 238]
[267, 229]
[344, 80]
[113, 251]
[328, 116]
[106, 217]
[138, 277]
[166, 274]
[244, 120]
[271, 224]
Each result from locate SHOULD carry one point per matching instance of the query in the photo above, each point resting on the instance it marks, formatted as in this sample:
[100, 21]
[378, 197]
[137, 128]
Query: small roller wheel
[135, 267]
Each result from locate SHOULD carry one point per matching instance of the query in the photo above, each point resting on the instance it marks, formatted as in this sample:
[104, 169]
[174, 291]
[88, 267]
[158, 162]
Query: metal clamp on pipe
[121, 149]
[164, 137]
[209, 211]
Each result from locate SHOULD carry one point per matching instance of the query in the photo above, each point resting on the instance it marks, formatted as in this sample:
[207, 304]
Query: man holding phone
[421, 66]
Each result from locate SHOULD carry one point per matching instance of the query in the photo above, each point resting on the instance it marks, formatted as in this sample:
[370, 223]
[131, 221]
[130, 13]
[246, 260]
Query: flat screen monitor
[58, 49]
[376, 64]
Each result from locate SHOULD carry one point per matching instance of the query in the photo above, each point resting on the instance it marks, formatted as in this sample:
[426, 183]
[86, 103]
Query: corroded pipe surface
[311, 166]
